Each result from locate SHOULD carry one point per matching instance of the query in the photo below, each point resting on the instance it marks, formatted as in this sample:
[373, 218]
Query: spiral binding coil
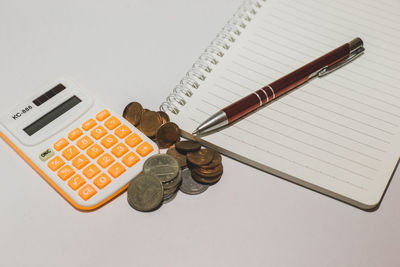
[211, 56]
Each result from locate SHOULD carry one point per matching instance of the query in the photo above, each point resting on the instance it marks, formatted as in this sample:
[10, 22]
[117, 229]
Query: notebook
[339, 134]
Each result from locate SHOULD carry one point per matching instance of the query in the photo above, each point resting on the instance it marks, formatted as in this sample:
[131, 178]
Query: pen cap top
[355, 44]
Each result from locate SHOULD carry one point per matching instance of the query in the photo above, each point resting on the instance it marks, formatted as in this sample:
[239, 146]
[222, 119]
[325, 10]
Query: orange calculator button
[76, 182]
[87, 192]
[116, 170]
[122, 131]
[55, 163]
[60, 144]
[84, 142]
[65, 172]
[70, 152]
[130, 159]
[89, 124]
[80, 161]
[105, 160]
[91, 171]
[109, 141]
[119, 150]
[102, 115]
[75, 134]
[144, 149]
[102, 180]
[112, 123]
[133, 140]
[98, 132]
[95, 151]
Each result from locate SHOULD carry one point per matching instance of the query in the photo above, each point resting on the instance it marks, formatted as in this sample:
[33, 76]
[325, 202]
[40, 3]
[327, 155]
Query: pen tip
[195, 132]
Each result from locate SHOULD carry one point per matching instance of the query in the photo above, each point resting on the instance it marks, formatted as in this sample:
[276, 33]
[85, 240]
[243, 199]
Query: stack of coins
[155, 125]
[186, 167]
[145, 193]
[167, 170]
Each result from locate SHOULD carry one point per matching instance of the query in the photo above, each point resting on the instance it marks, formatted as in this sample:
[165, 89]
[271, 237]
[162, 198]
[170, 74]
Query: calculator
[86, 151]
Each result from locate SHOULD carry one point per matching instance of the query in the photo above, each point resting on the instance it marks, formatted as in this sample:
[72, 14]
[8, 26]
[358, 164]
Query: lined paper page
[338, 134]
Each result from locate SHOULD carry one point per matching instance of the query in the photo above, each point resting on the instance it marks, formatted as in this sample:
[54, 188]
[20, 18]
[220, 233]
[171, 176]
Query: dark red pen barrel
[241, 107]
[281, 86]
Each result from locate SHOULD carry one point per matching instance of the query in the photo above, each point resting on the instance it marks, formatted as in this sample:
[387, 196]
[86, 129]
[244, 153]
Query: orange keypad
[109, 141]
[133, 140]
[144, 149]
[70, 152]
[91, 171]
[98, 132]
[116, 170]
[87, 192]
[102, 149]
[102, 180]
[130, 159]
[89, 124]
[75, 134]
[80, 161]
[105, 160]
[76, 182]
[119, 150]
[55, 163]
[122, 131]
[84, 142]
[102, 115]
[112, 123]
[95, 151]
[65, 172]
[60, 144]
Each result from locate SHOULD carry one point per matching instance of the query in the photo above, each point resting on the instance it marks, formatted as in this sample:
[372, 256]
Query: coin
[163, 166]
[168, 134]
[187, 146]
[163, 116]
[173, 184]
[203, 180]
[201, 157]
[145, 193]
[149, 122]
[208, 173]
[189, 185]
[178, 156]
[133, 112]
[170, 198]
[215, 161]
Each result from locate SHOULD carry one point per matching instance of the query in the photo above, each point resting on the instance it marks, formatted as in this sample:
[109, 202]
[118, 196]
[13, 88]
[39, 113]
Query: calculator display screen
[52, 115]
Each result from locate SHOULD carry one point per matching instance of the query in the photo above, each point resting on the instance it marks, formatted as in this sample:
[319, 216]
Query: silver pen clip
[353, 55]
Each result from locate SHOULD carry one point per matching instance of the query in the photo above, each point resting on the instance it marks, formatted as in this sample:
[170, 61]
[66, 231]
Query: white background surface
[136, 50]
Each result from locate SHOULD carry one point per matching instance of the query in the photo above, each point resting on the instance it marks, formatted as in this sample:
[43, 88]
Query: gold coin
[181, 158]
[203, 180]
[210, 172]
[168, 134]
[201, 157]
[133, 113]
[187, 146]
[149, 123]
[217, 159]
[163, 116]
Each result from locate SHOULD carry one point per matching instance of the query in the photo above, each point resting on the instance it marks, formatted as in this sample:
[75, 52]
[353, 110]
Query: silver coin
[170, 198]
[190, 186]
[162, 166]
[174, 183]
[145, 193]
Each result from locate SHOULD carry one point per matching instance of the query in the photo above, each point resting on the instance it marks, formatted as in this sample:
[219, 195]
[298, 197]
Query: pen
[319, 67]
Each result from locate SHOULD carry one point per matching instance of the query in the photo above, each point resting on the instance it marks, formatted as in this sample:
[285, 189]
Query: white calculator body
[87, 152]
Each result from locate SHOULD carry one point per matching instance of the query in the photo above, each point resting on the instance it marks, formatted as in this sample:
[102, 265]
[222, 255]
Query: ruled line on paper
[293, 138]
[282, 157]
[289, 148]
[307, 122]
[333, 102]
